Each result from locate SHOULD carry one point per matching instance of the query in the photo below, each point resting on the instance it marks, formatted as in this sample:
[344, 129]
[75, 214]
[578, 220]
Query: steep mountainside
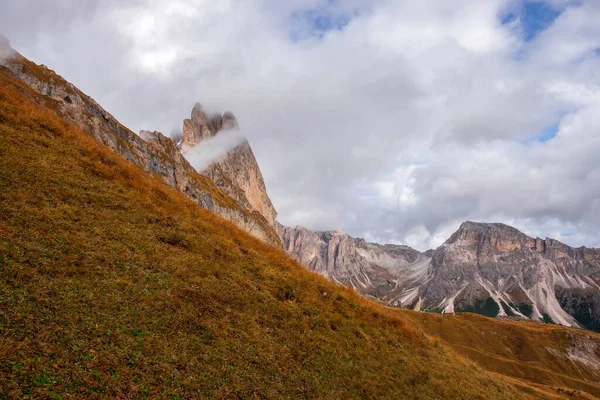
[152, 151]
[491, 269]
[115, 285]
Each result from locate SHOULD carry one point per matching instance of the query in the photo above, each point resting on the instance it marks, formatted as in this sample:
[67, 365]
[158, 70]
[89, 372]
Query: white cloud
[5, 50]
[213, 149]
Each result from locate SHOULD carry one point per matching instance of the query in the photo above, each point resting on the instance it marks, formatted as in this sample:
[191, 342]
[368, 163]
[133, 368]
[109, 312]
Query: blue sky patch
[534, 16]
[548, 134]
[543, 136]
[316, 22]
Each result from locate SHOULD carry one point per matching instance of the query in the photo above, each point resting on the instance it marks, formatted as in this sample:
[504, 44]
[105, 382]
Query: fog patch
[6, 52]
[213, 149]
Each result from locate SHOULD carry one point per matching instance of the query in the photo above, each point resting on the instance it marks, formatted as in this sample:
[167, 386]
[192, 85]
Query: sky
[390, 120]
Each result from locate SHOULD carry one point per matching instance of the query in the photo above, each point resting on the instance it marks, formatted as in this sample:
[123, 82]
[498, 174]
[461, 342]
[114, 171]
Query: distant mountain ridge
[487, 268]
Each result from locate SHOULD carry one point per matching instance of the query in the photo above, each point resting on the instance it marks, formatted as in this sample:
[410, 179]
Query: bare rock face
[496, 270]
[201, 126]
[491, 269]
[388, 272]
[237, 174]
[152, 151]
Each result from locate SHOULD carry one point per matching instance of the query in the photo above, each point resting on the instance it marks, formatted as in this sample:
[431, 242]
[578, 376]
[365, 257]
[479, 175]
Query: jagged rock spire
[201, 125]
[238, 173]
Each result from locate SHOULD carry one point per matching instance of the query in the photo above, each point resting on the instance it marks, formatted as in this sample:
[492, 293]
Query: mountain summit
[201, 126]
[497, 270]
[238, 173]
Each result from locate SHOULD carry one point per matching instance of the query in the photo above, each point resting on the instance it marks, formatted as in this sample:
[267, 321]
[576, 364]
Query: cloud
[390, 120]
[213, 149]
[5, 50]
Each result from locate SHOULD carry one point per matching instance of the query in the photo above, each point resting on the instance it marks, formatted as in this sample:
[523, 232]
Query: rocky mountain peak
[229, 121]
[502, 237]
[237, 174]
[198, 113]
[478, 229]
[481, 236]
[202, 125]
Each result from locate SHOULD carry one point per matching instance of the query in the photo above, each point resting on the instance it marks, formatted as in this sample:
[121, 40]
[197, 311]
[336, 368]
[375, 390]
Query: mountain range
[487, 268]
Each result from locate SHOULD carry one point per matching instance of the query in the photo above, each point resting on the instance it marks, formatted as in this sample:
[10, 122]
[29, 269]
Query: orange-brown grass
[533, 353]
[113, 285]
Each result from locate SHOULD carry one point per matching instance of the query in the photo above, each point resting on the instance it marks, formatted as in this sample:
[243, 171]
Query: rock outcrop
[387, 272]
[152, 151]
[237, 174]
[497, 270]
[491, 269]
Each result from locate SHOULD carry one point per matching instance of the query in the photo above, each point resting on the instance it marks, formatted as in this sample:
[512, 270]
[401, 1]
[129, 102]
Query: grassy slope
[114, 285]
[532, 353]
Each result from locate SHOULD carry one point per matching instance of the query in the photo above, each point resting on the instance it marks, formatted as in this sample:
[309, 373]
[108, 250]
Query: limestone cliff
[237, 174]
[497, 270]
[383, 271]
[152, 151]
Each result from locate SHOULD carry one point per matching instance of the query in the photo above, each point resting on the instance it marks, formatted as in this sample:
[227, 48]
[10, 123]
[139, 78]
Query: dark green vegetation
[489, 308]
[525, 309]
[507, 309]
[434, 310]
[580, 306]
[113, 285]
[547, 319]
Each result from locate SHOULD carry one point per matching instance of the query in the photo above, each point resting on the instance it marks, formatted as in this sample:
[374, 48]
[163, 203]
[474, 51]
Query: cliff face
[152, 151]
[237, 174]
[497, 270]
[491, 269]
[388, 272]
